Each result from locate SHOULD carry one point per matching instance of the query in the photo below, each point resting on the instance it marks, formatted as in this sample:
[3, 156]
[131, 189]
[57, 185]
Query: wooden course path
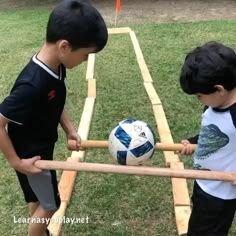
[179, 186]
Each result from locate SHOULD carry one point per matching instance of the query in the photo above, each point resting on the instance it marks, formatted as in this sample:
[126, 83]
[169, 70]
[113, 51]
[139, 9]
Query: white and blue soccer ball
[131, 142]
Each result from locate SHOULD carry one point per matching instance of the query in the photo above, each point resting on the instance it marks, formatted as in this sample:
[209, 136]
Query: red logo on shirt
[51, 94]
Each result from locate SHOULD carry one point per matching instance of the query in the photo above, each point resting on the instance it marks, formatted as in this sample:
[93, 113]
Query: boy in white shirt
[209, 72]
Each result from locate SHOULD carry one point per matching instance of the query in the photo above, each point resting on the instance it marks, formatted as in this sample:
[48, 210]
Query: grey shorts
[42, 188]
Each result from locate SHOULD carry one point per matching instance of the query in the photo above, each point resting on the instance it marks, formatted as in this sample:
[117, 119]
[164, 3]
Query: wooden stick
[136, 170]
[88, 144]
[104, 144]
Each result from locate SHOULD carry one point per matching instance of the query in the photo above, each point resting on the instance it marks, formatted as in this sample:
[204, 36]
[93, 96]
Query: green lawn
[116, 205]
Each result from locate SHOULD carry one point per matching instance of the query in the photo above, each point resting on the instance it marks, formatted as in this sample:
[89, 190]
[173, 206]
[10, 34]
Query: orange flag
[118, 5]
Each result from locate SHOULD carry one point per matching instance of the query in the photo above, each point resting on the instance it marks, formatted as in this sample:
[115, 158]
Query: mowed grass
[116, 205]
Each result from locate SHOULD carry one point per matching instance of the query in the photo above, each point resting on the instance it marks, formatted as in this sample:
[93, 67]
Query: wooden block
[182, 214]
[170, 157]
[162, 124]
[152, 94]
[86, 118]
[57, 220]
[164, 132]
[77, 156]
[67, 180]
[68, 177]
[140, 59]
[137, 48]
[144, 70]
[66, 185]
[120, 30]
[92, 88]
[179, 187]
[90, 66]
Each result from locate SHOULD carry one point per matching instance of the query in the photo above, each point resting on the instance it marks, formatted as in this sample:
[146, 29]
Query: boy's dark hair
[206, 66]
[79, 23]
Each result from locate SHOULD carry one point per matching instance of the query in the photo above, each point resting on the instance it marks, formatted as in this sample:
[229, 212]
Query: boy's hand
[75, 136]
[187, 149]
[26, 166]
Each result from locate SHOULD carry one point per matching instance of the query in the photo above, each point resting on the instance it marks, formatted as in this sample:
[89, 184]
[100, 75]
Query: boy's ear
[219, 88]
[63, 45]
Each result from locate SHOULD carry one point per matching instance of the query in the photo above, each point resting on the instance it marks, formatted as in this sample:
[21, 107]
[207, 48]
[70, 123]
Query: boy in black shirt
[35, 105]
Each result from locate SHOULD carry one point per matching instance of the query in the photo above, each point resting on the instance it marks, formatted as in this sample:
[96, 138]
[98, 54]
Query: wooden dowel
[171, 146]
[88, 144]
[104, 144]
[136, 170]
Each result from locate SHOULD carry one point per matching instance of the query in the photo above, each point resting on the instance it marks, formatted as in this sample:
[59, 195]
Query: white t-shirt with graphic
[216, 149]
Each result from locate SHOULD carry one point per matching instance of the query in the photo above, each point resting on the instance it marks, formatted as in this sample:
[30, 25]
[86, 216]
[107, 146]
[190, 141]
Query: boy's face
[78, 56]
[221, 98]
[212, 100]
[71, 58]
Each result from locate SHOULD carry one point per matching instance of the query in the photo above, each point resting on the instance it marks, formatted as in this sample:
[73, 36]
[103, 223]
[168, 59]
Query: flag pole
[117, 10]
[115, 17]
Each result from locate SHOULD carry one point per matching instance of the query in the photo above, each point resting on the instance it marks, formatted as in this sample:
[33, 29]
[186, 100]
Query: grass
[116, 205]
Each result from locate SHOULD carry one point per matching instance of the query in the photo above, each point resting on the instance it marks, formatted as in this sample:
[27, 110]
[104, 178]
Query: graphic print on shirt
[210, 140]
[51, 94]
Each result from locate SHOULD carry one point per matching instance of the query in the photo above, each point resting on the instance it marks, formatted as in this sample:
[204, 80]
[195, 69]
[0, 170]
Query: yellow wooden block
[140, 59]
[182, 214]
[86, 118]
[90, 66]
[66, 185]
[120, 30]
[164, 132]
[55, 226]
[152, 94]
[179, 187]
[92, 88]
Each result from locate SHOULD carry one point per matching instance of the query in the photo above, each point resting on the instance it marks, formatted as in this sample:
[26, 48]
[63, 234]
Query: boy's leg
[44, 185]
[40, 188]
[32, 207]
[39, 229]
[226, 218]
[210, 216]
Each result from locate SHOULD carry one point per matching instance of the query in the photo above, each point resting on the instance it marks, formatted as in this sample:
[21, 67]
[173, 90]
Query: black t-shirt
[34, 108]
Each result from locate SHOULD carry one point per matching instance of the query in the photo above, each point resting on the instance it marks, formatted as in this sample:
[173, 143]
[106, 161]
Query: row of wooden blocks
[179, 186]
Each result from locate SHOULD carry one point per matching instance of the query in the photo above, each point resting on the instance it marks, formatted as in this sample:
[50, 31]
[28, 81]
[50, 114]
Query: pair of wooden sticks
[134, 170]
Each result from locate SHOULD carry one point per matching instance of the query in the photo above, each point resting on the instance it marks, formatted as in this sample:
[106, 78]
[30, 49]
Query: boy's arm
[70, 130]
[187, 150]
[25, 166]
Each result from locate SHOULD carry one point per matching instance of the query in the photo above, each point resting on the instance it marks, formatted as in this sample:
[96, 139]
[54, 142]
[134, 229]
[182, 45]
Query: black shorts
[42, 188]
[211, 216]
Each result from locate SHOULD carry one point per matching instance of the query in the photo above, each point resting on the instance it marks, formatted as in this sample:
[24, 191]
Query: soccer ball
[131, 142]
